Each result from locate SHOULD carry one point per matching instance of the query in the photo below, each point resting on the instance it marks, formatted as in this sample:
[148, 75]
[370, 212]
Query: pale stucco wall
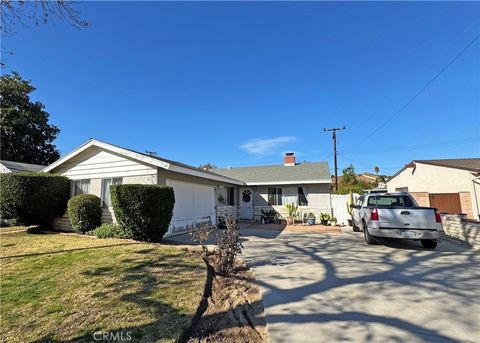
[318, 197]
[434, 179]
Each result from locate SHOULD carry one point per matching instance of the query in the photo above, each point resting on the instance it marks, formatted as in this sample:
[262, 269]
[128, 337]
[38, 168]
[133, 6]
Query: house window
[274, 196]
[229, 196]
[106, 183]
[81, 187]
[302, 199]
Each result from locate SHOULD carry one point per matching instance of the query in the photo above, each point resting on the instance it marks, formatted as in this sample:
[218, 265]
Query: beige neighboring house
[17, 167]
[451, 185]
[201, 196]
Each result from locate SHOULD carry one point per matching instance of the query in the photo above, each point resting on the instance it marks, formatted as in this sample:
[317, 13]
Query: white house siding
[4, 170]
[318, 196]
[96, 164]
[190, 209]
[426, 179]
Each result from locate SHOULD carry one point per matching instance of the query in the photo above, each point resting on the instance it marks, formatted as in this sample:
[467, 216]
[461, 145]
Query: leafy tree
[207, 166]
[349, 177]
[350, 183]
[26, 136]
[376, 170]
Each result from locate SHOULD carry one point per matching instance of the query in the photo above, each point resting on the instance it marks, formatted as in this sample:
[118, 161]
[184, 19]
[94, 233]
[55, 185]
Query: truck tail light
[374, 214]
[438, 217]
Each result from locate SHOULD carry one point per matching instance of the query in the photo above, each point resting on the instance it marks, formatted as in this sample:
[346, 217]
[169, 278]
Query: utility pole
[334, 137]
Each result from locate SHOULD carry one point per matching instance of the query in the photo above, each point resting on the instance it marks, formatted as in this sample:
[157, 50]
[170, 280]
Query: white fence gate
[339, 207]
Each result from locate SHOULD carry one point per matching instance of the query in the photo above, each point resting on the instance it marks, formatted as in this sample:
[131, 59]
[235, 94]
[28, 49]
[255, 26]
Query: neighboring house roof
[470, 164]
[156, 161]
[280, 174]
[15, 167]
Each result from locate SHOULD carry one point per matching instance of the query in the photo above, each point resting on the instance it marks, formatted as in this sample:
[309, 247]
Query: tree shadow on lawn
[70, 250]
[413, 270]
[148, 275]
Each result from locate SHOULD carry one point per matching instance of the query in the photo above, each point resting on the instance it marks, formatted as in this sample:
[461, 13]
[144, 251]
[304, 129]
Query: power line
[415, 147]
[419, 92]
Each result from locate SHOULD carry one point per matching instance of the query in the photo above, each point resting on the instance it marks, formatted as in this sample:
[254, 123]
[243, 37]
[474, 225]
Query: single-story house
[450, 185]
[272, 187]
[16, 167]
[200, 195]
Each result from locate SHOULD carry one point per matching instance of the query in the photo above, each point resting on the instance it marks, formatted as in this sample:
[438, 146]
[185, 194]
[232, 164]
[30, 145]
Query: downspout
[475, 193]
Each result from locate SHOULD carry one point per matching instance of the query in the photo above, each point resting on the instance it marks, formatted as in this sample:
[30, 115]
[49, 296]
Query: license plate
[408, 234]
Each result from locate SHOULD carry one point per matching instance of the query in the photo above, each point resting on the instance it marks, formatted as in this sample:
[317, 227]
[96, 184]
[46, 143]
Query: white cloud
[266, 146]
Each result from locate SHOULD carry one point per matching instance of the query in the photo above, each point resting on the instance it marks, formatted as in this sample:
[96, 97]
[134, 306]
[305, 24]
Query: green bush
[85, 212]
[33, 198]
[111, 231]
[144, 210]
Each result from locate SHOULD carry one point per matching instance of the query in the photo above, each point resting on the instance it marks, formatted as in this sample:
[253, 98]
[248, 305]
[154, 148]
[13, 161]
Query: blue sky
[241, 83]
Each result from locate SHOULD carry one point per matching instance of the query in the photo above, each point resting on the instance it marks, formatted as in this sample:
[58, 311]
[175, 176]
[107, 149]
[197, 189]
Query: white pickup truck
[396, 215]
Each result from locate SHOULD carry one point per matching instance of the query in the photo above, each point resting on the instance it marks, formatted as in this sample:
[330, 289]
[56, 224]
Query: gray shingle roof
[21, 167]
[472, 164]
[307, 171]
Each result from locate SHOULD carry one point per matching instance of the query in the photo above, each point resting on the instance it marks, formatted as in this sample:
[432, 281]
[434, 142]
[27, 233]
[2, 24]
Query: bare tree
[21, 12]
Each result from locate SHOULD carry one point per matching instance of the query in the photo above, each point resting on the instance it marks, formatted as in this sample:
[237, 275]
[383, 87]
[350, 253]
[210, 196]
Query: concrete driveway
[330, 288]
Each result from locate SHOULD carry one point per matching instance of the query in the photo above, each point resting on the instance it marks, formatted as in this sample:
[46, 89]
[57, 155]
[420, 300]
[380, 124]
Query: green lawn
[66, 287]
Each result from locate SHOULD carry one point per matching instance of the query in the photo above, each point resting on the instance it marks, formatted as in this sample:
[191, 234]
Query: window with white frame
[80, 187]
[106, 183]
[302, 198]
[229, 196]
[274, 196]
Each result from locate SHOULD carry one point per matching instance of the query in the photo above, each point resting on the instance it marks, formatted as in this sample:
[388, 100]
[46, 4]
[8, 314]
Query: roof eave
[292, 182]
[142, 158]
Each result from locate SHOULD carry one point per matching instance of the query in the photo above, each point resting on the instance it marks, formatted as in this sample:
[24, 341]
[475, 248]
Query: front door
[246, 203]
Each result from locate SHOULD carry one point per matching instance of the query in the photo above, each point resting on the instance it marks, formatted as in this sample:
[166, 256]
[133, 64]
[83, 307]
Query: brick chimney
[289, 159]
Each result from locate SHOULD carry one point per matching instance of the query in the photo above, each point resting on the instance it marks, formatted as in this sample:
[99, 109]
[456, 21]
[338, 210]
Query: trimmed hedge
[33, 198]
[144, 210]
[85, 212]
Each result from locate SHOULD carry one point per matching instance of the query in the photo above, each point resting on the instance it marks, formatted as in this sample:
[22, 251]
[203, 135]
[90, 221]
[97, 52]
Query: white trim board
[141, 158]
[280, 183]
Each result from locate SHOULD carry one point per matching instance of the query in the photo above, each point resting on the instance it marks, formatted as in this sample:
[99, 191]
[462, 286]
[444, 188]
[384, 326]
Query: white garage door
[194, 205]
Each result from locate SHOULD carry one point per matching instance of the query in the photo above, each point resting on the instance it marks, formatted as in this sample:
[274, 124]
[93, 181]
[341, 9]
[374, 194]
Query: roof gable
[143, 158]
[469, 164]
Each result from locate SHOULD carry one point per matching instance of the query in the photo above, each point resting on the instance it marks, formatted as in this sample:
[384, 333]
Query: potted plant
[324, 218]
[333, 221]
[292, 211]
[311, 219]
[269, 216]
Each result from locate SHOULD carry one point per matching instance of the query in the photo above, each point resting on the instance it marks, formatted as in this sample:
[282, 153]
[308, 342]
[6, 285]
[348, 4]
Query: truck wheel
[369, 239]
[428, 244]
[355, 227]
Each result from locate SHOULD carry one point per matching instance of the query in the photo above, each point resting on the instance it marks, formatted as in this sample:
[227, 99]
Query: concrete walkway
[330, 288]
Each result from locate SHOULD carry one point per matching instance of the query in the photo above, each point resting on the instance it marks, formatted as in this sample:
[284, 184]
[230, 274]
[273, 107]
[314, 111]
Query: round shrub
[33, 198]
[85, 212]
[143, 210]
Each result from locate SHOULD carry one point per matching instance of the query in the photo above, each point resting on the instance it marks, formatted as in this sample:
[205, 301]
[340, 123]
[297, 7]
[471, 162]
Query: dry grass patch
[58, 287]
